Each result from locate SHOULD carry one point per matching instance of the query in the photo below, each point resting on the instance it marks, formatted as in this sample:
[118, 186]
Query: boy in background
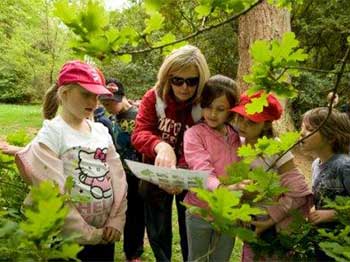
[123, 115]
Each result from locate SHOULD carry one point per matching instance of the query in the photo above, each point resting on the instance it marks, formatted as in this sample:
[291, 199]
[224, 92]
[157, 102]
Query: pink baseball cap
[272, 111]
[88, 77]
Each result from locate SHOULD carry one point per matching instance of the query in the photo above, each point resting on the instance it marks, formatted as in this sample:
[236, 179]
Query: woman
[166, 111]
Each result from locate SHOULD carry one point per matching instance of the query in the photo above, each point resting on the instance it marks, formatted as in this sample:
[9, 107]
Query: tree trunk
[262, 22]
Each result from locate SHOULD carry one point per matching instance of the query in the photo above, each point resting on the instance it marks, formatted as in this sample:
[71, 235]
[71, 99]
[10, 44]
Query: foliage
[34, 234]
[12, 189]
[312, 92]
[228, 210]
[272, 68]
[38, 237]
[336, 243]
[31, 47]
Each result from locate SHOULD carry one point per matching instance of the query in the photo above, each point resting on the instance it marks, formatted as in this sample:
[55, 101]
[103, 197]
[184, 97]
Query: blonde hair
[178, 60]
[336, 129]
[52, 99]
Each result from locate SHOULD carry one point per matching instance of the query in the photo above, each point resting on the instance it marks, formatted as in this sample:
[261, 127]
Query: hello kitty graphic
[93, 172]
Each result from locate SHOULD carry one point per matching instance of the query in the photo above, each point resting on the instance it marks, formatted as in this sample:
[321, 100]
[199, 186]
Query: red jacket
[158, 121]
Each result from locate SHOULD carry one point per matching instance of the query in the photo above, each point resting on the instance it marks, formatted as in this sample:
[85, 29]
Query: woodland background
[34, 44]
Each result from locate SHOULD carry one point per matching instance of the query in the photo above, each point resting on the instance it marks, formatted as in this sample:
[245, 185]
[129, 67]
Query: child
[331, 169]
[123, 118]
[210, 146]
[251, 128]
[71, 145]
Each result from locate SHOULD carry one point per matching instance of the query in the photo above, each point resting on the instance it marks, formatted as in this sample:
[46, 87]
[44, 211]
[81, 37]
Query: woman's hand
[261, 226]
[8, 149]
[240, 186]
[165, 155]
[322, 216]
[111, 235]
[171, 190]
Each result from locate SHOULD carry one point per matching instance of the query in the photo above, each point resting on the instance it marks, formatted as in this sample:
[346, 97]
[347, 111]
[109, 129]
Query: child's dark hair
[336, 129]
[217, 86]
[114, 81]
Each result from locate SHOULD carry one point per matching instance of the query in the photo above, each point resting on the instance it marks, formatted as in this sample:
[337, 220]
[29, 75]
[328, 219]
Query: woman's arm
[145, 135]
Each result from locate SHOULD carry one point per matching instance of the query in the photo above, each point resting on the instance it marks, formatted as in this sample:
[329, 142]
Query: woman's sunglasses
[179, 81]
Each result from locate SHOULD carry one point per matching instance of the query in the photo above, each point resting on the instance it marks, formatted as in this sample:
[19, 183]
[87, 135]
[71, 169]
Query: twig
[198, 32]
[339, 74]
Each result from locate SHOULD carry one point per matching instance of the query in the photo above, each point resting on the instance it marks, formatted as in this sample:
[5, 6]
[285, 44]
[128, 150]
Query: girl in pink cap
[298, 197]
[71, 145]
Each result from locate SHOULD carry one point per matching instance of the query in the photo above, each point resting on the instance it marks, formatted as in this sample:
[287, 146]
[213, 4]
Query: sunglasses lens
[192, 81]
[179, 81]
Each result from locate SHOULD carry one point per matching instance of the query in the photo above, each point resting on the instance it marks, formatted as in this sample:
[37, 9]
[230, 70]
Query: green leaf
[236, 172]
[268, 146]
[248, 153]
[257, 104]
[202, 11]
[260, 51]
[154, 23]
[288, 139]
[67, 251]
[65, 11]
[125, 58]
[153, 5]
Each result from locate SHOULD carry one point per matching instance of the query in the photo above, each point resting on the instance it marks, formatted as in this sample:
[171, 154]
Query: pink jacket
[207, 150]
[37, 164]
[298, 197]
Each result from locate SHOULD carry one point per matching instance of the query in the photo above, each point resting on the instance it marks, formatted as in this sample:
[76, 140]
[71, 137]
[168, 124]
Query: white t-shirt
[84, 158]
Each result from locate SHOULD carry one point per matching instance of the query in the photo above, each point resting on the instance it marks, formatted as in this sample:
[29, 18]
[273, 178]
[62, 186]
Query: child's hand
[240, 186]
[111, 235]
[261, 226]
[322, 216]
[8, 149]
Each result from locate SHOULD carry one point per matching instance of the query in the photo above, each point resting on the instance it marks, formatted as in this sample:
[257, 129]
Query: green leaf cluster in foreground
[38, 236]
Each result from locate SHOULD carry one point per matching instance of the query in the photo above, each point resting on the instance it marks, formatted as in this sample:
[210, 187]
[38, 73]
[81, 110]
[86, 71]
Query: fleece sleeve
[36, 164]
[146, 135]
[296, 196]
[118, 212]
[198, 158]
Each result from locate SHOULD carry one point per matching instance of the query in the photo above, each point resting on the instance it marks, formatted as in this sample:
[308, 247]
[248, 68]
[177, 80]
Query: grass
[16, 117]
[29, 118]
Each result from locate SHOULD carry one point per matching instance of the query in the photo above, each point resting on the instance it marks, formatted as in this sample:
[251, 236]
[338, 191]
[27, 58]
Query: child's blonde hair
[336, 129]
[178, 60]
[53, 98]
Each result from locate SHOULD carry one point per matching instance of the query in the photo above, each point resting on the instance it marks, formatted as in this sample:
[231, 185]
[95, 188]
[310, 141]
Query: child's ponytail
[51, 102]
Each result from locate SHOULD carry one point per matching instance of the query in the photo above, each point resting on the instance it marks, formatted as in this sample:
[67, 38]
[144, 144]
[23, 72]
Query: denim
[202, 238]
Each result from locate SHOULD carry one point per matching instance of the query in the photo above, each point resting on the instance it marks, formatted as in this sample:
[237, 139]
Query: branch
[339, 73]
[315, 70]
[198, 32]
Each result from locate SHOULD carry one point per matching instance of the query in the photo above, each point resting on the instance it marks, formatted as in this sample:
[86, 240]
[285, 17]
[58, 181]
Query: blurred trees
[34, 44]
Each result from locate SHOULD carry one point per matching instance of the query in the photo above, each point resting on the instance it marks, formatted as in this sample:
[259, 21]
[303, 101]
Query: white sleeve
[287, 157]
[50, 136]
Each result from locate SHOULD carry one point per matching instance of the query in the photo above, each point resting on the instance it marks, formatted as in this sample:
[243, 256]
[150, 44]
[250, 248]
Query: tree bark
[262, 22]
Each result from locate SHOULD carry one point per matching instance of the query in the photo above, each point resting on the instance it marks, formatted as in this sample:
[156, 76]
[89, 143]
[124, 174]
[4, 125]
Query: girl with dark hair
[210, 146]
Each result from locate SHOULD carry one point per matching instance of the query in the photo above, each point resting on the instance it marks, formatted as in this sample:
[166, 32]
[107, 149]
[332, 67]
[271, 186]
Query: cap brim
[96, 89]
[117, 98]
